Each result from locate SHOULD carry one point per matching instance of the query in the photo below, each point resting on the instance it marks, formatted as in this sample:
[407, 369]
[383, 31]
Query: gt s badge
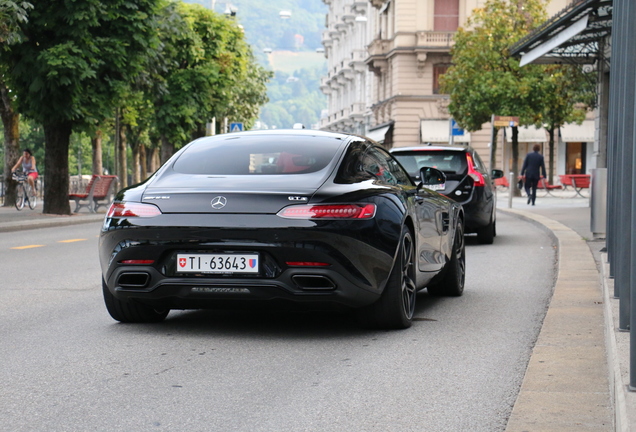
[297, 198]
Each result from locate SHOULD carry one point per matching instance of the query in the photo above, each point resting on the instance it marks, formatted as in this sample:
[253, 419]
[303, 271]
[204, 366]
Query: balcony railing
[379, 47]
[435, 39]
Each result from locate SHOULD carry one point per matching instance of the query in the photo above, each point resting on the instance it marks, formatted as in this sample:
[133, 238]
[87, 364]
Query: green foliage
[568, 94]
[77, 57]
[265, 28]
[484, 79]
[294, 99]
[209, 72]
[12, 14]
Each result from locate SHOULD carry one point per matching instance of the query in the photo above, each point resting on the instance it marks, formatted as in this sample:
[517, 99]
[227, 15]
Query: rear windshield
[258, 154]
[450, 162]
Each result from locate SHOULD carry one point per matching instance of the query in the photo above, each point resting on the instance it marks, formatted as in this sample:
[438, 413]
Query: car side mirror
[431, 177]
[496, 174]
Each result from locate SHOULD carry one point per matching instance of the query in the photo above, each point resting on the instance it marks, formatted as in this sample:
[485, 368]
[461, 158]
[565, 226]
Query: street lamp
[230, 10]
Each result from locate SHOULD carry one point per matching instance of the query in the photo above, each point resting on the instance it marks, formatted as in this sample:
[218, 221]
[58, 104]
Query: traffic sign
[236, 127]
[455, 129]
[505, 121]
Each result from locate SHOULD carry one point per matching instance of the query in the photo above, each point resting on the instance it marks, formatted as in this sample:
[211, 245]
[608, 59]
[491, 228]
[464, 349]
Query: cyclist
[28, 166]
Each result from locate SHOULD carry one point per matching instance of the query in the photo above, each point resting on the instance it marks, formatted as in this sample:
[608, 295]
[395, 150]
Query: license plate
[437, 187]
[217, 263]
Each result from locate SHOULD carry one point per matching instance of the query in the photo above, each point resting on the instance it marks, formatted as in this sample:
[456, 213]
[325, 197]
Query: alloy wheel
[409, 290]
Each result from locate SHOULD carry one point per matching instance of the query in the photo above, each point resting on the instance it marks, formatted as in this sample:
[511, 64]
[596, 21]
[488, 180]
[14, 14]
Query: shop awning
[438, 131]
[379, 133]
[571, 36]
[528, 134]
[578, 133]
[554, 42]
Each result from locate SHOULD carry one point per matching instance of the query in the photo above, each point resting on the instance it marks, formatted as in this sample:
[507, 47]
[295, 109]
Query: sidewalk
[14, 220]
[577, 375]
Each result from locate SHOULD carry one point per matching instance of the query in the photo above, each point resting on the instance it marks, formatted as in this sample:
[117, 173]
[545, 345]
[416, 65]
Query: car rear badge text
[297, 198]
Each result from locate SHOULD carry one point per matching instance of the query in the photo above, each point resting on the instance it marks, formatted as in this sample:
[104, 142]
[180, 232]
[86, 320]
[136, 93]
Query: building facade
[385, 58]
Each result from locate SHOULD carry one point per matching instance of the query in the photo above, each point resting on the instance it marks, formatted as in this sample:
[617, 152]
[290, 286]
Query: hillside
[287, 45]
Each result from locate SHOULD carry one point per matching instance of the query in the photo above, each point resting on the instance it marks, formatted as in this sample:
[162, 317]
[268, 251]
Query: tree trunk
[199, 132]
[515, 158]
[56, 144]
[167, 149]
[143, 163]
[11, 123]
[136, 167]
[96, 143]
[122, 165]
[551, 153]
[493, 148]
[154, 161]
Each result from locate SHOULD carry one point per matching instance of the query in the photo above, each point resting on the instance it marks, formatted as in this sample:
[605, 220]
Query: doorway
[575, 158]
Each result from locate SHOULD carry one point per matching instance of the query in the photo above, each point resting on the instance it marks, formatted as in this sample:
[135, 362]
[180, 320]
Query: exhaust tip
[314, 283]
[133, 280]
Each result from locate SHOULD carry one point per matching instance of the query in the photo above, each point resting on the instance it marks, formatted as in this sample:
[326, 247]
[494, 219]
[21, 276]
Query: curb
[618, 386]
[46, 222]
[566, 384]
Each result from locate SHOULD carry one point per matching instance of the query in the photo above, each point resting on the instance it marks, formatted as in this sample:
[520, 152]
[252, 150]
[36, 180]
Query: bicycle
[24, 193]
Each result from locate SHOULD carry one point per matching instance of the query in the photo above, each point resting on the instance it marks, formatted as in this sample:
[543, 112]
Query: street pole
[493, 144]
[511, 188]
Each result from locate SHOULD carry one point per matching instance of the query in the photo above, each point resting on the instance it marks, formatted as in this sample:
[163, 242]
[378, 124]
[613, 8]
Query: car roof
[278, 132]
[432, 148]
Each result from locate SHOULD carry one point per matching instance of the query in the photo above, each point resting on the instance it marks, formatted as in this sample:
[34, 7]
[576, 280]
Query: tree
[484, 79]
[568, 94]
[12, 14]
[208, 71]
[68, 72]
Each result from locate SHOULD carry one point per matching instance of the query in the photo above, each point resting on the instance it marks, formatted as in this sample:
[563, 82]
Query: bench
[543, 184]
[577, 181]
[565, 181]
[502, 183]
[97, 193]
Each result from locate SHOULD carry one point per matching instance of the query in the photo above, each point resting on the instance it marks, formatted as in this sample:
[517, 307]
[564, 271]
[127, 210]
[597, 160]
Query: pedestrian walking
[532, 171]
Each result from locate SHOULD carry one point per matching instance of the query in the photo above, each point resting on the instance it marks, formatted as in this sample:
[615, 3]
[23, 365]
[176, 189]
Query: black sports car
[297, 215]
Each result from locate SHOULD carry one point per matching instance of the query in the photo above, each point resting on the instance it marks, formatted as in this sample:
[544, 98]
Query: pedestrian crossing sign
[236, 127]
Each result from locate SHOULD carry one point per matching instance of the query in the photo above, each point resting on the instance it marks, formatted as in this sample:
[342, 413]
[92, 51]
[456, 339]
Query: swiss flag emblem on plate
[182, 262]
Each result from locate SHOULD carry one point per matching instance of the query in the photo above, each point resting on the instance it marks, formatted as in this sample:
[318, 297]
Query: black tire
[129, 312]
[32, 197]
[19, 197]
[454, 276]
[395, 307]
[486, 235]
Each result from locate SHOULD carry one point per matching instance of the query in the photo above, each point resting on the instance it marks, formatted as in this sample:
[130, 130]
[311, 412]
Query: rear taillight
[473, 173]
[137, 262]
[329, 211]
[132, 209]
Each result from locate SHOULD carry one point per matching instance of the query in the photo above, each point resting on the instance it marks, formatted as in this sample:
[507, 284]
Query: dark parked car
[467, 182]
[302, 216]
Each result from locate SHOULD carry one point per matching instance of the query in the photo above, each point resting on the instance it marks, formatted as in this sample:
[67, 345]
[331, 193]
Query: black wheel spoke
[409, 290]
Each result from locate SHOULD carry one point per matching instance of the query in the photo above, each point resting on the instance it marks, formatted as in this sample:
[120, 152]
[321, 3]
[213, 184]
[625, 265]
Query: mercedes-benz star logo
[218, 203]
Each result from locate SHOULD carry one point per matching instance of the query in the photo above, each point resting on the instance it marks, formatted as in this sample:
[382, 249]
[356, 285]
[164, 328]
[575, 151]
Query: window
[446, 15]
[259, 155]
[367, 162]
[438, 70]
